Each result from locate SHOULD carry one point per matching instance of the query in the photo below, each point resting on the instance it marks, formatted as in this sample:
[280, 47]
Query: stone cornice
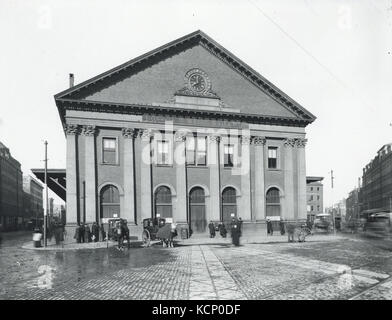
[141, 109]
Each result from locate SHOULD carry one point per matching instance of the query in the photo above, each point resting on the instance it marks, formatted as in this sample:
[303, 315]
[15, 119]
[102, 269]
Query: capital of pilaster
[71, 129]
[245, 140]
[258, 141]
[290, 142]
[215, 138]
[180, 136]
[301, 142]
[128, 133]
[145, 134]
[89, 131]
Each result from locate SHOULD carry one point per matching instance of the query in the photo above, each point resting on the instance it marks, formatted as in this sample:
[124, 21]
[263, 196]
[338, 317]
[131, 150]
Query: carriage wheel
[146, 238]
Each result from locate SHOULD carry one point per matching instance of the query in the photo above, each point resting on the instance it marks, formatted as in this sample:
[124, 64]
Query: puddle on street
[56, 267]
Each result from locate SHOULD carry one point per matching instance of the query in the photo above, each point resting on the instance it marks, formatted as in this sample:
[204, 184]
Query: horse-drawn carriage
[157, 230]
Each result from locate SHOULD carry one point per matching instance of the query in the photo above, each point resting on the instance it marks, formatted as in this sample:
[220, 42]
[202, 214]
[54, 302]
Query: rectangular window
[311, 188]
[318, 197]
[228, 151]
[311, 198]
[109, 148]
[311, 208]
[201, 151]
[272, 157]
[190, 151]
[196, 151]
[318, 208]
[163, 152]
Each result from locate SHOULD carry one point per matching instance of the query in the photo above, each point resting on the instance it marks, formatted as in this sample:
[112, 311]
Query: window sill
[110, 164]
[271, 169]
[199, 167]
[164, 165]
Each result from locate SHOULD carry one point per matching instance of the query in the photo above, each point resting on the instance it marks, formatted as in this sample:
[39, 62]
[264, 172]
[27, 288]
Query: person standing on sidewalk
[82, 233]
[282, 227]
[235, 232]
[240, 225]
[270, 231]
[290, 232]
[211, 227]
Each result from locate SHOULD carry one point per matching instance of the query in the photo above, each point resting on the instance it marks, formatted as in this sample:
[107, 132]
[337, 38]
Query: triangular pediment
[158, 77]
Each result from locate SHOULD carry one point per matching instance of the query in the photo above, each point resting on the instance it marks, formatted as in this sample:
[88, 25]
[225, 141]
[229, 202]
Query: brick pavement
[210, 271]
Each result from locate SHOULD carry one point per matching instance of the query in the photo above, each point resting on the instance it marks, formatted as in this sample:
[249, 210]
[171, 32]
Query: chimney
[71, 80]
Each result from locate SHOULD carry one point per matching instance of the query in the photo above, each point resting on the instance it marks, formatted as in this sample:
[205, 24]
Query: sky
[333, 57]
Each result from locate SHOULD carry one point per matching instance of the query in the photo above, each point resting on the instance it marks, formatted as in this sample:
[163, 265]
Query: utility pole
[46, 193]
[333, 209]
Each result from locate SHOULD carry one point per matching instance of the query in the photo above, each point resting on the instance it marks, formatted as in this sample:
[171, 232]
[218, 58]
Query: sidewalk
[255, 238]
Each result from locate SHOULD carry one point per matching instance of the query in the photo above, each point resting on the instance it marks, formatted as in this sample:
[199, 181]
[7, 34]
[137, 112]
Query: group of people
[270, 229]
[235, 230]
[84, 234]
[221, 229]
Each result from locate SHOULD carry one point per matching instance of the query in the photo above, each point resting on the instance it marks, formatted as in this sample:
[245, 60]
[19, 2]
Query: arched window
[229, 204]
[110, 202]
[273, 202]
[163, 202]
[197, 210]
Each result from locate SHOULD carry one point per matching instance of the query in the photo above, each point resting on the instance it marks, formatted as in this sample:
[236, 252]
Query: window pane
[109, 143]
[190, 157]
[163, 152]
[201, 144]
[201, 159]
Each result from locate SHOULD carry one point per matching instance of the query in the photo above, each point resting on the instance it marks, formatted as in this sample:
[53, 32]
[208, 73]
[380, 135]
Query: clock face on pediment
[197, 81]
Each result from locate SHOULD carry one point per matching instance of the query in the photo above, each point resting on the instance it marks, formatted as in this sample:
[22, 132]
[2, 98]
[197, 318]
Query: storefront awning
[56, 180]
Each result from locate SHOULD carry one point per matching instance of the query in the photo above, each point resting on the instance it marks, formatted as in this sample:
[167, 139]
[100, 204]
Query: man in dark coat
[235, 232]
[77, 233]
[211, 227]
[240, 225]
[222, 230]
[125, 232]
[281, 226]
[95, 231]
[270, 231]
[87, 233]
[82, 233]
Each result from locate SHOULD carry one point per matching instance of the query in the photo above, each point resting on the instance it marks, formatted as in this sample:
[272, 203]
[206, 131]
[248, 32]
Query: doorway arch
[197, 210]
[229, 204]
[163, 202]
[109, 202]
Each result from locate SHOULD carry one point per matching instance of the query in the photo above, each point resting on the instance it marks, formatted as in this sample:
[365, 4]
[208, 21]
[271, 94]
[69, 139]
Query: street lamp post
[46, 193]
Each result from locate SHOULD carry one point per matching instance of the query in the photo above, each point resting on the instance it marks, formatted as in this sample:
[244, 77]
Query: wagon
[150, 230]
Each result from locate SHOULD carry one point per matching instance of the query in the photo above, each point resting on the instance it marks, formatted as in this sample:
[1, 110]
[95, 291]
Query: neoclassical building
[187, 131]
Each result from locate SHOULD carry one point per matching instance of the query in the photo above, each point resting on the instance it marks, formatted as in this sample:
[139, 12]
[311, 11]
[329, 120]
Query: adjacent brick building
[314, 193]
[187, 131]
[34, 205]
[11, 191]
[376, 191]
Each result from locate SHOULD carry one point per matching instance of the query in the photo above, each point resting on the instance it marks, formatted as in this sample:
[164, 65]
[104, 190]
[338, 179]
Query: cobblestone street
[348, 268]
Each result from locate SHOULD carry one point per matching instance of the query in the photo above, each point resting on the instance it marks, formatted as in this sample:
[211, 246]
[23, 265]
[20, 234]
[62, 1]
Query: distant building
[376, 191]
[34, 191]
[314, 193]
[11, 191]
[353, 205]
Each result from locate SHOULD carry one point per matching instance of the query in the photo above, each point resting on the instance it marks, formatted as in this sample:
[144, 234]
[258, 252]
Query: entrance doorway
[197, 210]
[109, 202]
[229, 204]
